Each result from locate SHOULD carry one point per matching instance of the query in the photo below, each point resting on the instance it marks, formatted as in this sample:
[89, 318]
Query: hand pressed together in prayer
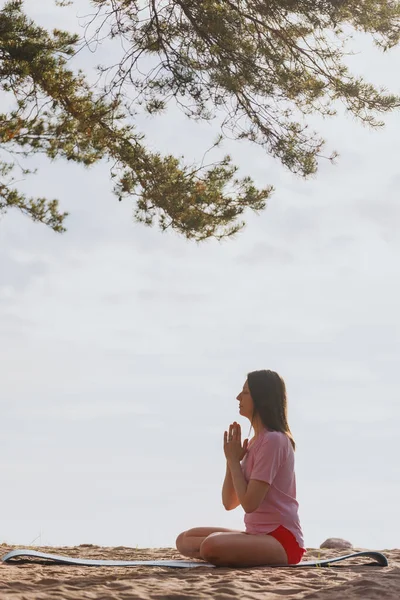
[233, 449]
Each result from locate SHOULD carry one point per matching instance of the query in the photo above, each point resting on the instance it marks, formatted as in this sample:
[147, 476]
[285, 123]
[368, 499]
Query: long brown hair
[268, 392]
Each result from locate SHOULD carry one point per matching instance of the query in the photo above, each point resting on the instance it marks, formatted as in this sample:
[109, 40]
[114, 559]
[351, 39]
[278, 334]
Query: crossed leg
[188, 542]
[230, 547]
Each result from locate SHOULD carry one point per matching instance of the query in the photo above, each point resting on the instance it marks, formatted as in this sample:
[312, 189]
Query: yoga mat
[68, 560]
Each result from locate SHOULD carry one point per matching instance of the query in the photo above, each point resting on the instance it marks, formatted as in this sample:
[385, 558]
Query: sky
[123, 348]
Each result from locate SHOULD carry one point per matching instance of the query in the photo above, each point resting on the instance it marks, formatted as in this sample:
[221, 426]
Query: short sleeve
[269, 457]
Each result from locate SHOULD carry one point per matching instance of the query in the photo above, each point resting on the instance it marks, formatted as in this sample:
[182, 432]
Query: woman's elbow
[231, 506]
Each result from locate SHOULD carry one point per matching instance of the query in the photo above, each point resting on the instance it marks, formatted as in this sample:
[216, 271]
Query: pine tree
[267, 63]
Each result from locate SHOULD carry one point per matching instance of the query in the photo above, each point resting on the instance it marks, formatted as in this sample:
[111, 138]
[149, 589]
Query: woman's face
[245, 402]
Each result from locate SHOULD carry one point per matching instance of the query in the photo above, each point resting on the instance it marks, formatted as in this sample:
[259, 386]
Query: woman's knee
[209, 546]
[180, 540]
[195, 532]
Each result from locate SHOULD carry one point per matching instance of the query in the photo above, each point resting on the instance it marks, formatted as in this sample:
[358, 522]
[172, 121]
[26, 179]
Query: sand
[29, 581]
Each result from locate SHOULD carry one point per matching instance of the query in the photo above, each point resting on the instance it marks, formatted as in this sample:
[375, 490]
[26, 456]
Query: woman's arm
[229, 496]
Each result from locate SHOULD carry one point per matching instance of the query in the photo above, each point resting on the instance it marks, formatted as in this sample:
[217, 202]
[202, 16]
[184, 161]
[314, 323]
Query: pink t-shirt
[270, 458]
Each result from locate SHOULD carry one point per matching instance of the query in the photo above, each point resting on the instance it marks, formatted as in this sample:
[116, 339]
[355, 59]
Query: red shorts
[292, 548]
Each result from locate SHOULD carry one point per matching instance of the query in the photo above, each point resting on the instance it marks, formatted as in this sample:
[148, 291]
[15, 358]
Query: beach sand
[351, 580]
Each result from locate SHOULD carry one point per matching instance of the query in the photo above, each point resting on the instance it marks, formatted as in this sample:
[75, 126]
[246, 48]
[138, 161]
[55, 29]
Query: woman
[260, 476]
